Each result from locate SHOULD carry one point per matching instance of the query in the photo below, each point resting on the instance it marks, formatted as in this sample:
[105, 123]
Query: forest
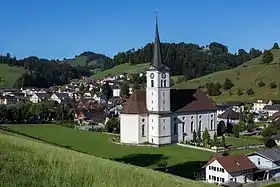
[190, 60]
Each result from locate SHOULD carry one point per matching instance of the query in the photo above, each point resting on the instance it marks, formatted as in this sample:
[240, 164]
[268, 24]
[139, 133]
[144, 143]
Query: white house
[116, 92]
[237, 168]
[60, 97]
[160, 115]
[268, 160]
[39, 97]
[271, 109]
[259, 105]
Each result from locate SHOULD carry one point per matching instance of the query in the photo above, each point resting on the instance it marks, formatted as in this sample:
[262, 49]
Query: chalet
[236, 168]
[271, 109]
[259, 105]
[60, 97]
[267, 160]
[39, 97]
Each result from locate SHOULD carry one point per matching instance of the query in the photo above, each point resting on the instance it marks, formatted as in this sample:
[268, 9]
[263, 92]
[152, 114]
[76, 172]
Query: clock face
[152, 75]
[163, 75]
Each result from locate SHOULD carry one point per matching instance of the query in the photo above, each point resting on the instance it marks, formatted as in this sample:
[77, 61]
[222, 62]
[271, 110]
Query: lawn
[243, 141]
[181, 161]
[120, 69]
[273, 185]
[29, 163]
[9, 75]
[245, 76]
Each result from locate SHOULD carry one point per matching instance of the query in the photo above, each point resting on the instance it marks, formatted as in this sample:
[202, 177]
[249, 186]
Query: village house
[236, 168]
[116, 92]
[161, 115]
[60, 97]
[259, 105]
[85, 117]
[267, 160]
[229, 116]
[275, 117]
[39, 97]
[271, 109]
[8, 100]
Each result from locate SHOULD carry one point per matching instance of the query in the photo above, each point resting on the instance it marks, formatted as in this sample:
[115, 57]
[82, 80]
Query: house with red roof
[236, 168]
[161, 115]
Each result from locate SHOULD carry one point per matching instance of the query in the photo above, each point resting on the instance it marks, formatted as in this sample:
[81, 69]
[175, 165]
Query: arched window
[175, 129]
[161, 83]
[152, 83]
[164, 83]
[192, 126]
[212, 124]
[143, 130]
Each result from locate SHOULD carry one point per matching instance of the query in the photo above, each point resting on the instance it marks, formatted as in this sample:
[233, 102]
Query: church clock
[152, 75]
[163, 75]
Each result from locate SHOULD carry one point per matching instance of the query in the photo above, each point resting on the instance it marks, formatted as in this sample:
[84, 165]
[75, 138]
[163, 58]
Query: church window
[199, 127]
[192, 117]
[161, 83]
[192, 126]
[163, 101]
[212, 124]
[152, 83]
[152, 93]
[183, 127]
[152, 101]
[211, 115]
[143, 120]
[200, 116]
[163, 120]
[183, 118]
[163, 94]
[164, 128]
[164, 83]
[152, 120]
[175, 129]
[143, 130]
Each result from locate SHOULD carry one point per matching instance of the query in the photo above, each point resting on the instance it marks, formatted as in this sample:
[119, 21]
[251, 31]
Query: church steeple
[157, 58]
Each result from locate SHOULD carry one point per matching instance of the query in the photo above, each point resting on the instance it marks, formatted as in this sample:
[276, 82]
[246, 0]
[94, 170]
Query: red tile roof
[233, 163]
[181, 101]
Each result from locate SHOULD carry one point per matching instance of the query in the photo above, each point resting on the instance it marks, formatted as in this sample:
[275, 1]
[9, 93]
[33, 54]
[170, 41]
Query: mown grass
[181, 161]
[9, 75]
[245, 76]
[273, 185]
[120, 69]
[243, 141]
[28, 163]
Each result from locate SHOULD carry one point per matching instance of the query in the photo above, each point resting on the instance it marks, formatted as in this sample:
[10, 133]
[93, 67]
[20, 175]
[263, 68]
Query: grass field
[273, 185]
[243, 141]
[181, 161]
[9, 75]
[29, 163]
[245, 76]
[120, 69]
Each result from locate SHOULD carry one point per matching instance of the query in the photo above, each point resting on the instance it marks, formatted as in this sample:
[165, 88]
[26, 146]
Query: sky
[57, 29]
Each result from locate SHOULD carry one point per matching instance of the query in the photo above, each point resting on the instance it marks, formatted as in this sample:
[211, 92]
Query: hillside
[245, 76]
[120, 69]
[9, 75]
[93, 61]
[28, 163]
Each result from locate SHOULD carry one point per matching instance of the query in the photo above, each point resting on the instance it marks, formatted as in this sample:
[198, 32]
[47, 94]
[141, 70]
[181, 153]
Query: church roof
[186, 100]
[157, 62]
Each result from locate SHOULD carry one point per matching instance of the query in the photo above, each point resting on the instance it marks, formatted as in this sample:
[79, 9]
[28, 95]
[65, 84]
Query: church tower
[158, 81]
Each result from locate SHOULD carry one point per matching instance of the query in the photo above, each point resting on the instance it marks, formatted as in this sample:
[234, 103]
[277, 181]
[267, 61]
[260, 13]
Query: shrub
[162, 164]
[227, 84]
[267, 57]
[272, 85]
[250, 91]
[225, 153]
[239, 92]
[180, 79]
[261, 84]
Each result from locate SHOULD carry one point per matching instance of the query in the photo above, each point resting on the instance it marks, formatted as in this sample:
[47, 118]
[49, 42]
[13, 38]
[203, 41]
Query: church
[160, 115]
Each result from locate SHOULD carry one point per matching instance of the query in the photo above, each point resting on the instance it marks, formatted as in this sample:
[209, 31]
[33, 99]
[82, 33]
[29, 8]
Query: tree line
[190, 60]
[43, 73]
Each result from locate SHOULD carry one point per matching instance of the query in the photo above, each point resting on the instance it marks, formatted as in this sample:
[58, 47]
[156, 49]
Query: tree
[267, 57]
[236, 130]
[272, 85]
[239, 92]
[125, 91]
[227, 84]
[194, 136]
[270, 143]
[113, 125]
[107, 91]
[221, 129]
[250, 91]
[215, 139]
[275, 46]
[223, 142]
[206, 137]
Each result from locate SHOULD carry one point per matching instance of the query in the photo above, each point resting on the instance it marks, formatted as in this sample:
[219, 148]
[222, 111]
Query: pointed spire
[157, 58]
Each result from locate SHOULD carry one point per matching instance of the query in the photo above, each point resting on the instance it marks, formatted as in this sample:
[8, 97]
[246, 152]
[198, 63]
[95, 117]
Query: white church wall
[129, 127]
[153, 128]
[143, 129]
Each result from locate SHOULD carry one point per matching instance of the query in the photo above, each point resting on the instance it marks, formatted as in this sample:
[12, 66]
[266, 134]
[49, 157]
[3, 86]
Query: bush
[239, 92]
[180, 79]
[250, 91]
[272, 85]
[261, 84]
[227, 84]
[162, 164]
[225, 153]
[267, 57]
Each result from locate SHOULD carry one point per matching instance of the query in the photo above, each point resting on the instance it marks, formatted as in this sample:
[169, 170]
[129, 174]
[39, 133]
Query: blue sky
[64, 28]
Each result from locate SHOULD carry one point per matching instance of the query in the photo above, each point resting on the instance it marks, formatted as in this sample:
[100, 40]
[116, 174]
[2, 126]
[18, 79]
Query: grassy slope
[243, 78]
[10, 74]
[181, 161]
[123, 68]
[80, 60]
[28, 163]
